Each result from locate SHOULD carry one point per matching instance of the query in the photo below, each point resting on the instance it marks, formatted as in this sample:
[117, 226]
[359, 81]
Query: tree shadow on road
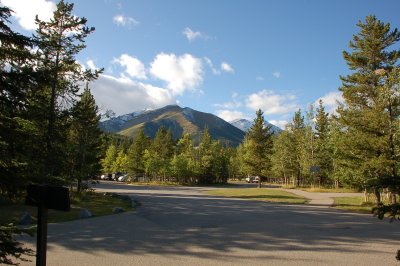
[205, 226]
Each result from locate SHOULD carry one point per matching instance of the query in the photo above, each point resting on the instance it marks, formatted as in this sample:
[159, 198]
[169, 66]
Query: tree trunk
[365, 195]
[377, 195]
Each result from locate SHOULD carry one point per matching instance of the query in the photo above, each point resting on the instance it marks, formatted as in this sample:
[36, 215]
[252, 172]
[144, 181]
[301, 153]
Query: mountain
[179, 120]
[245, 125]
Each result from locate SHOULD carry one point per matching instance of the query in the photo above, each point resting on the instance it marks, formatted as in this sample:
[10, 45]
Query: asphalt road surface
[184, 226]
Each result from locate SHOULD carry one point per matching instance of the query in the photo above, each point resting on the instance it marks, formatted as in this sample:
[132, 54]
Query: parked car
[123, 178]
[252, 179]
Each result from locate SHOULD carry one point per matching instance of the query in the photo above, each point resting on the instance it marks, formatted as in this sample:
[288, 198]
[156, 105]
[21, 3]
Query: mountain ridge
[179, 120]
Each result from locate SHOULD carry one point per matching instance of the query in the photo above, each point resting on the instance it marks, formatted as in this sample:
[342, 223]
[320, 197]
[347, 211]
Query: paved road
[183, 226]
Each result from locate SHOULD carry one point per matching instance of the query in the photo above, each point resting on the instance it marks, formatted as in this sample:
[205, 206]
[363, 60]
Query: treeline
[167, 160]
[48, 123]
[357, 146]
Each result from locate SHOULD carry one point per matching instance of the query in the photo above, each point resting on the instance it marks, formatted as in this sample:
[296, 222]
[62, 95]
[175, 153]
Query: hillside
[179, 120]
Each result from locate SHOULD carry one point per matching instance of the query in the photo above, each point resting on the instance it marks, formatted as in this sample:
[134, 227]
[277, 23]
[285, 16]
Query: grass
[355, 204]
[97, 203]
[330, 190]
[262, 194]
[322, 189]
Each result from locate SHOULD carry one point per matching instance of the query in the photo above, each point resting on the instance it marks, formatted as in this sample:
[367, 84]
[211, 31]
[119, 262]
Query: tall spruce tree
[259, 148]
[84, 140]
[16, 80]
[371, 104]
[324, 158]
[297, 135]
[136, 152]
[60, 77]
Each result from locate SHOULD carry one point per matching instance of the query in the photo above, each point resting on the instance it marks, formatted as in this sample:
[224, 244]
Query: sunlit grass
[98, 204]
[263, 194]
[330, 190]
[355, 204]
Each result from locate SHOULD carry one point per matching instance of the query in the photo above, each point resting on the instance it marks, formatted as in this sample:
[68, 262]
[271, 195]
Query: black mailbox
[50, 197]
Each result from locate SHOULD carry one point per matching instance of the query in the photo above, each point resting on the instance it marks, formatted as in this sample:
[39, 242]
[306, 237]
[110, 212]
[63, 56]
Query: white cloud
[230, 105]
[271, 102]
[133, 66]
[26, 11]
[193, 35]
[122, 95]
[279, 123]
[260, 78]
[276, 74]
[211, 65]
[330, 101]
[181, 73]
[229, 115]
[122, 20]
[90, 64]
[227, 67]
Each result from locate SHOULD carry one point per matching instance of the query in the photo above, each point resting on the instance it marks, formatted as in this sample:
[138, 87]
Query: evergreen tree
[205, 158]
[16, 80]
[136, 153]
[259, 147]
[324, 158]
[84, 139]
[297, 134]
[163, 149]
[59, 77]
[370, 111]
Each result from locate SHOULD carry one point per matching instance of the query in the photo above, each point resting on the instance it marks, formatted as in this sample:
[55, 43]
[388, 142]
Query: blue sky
[226, 57]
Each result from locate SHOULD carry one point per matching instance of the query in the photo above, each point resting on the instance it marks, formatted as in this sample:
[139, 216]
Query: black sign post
[46, 197]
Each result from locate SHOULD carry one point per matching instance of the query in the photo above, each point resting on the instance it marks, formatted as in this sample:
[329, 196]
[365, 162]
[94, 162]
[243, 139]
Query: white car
[252, 179]
[123, 178]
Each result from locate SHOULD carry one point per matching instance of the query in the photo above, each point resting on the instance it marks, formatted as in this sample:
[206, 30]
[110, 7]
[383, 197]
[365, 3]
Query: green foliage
[16, 129]
[259, 147]
[135, 164]
[84, 140]
[392, 210]
[109, 159]
[59, 78]
[9, 247]
[369, 116]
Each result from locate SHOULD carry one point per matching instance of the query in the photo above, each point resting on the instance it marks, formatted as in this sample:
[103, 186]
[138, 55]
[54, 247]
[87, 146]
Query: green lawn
[263, 194]
[97, 203]
[355, 204]
[330, 190]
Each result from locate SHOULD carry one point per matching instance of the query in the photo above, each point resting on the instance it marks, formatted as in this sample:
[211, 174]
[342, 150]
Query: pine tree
[371, 105]
[297, 134]
[136, 153]
[259, 147]
[59, 79]
[84, 139]
[324, 158]
[16, 79]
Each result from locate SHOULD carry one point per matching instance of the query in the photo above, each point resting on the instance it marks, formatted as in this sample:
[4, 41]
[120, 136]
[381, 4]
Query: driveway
[183, 226]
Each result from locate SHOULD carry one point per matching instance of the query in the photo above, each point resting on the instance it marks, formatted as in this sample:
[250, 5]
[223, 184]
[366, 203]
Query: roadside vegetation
[262, 194]
[329, 190]
[99, 204]
[354, 204]
[49, 130]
